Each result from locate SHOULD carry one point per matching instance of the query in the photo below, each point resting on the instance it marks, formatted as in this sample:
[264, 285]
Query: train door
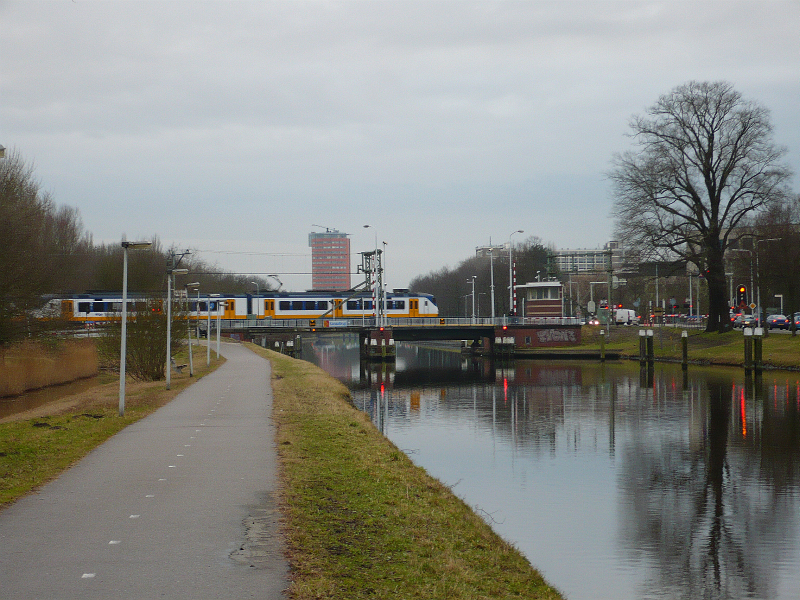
[66, 310]
[226, 308]
[269, 308]
[413, 307]
[338, 310]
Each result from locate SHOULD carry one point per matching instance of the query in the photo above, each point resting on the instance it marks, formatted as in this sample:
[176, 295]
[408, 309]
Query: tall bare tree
[706, 160]
[40, 246]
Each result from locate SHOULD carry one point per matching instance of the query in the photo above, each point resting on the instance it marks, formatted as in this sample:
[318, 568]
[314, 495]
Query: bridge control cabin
[542, 299]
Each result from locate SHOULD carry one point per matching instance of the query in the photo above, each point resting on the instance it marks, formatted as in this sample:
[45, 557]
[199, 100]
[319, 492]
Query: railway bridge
[492, 337]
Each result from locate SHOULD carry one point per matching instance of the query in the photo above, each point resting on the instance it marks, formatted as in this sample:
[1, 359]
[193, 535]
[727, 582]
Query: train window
[400, 304]
[98, 307]
[84, 307]
[322, 305]
[354, 305]
[285, 305]
[116, 307]
[367, 304]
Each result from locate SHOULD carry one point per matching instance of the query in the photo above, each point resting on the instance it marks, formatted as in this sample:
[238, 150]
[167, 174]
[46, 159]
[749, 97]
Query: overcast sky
[236, 128]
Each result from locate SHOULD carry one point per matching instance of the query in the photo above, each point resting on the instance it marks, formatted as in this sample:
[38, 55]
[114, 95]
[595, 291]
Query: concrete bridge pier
[377, 344]
[287, 342]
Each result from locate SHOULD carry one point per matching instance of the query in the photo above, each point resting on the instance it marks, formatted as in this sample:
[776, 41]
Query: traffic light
[741, 296]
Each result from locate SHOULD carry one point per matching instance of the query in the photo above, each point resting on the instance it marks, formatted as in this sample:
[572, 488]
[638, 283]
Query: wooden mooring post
[685, 350]
[758, 342]
[646, 346]
[602, 345]
[748, 348]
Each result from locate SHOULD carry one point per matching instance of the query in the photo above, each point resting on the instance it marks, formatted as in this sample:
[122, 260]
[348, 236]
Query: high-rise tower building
[330, 260]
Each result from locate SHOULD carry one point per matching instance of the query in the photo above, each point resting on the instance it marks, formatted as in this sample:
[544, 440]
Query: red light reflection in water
[505, 390]
[744, 416]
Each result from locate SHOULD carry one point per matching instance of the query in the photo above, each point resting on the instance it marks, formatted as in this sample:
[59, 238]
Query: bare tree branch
[706, 161]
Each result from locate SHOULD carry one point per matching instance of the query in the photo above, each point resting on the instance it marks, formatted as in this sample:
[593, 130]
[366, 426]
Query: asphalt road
[178, 505]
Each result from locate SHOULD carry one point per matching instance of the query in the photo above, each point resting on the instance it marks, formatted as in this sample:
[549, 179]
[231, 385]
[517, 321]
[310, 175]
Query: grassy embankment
[37, 445]
[780, 351]
[362, 521]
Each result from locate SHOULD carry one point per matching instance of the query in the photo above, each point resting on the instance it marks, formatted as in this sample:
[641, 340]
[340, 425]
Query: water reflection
[616, 482]
[12, 405]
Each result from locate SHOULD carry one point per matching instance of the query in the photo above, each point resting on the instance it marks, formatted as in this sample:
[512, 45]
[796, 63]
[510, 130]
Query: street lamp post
[758, 275]
[383, 285]
[170, 284]
[208, 329]
[123, 342]
[472, 279]
[220, 304]
[491, 275]
[511, 274]
[189, 321]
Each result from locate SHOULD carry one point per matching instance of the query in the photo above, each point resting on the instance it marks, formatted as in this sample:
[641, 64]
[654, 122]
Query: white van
[625, 316]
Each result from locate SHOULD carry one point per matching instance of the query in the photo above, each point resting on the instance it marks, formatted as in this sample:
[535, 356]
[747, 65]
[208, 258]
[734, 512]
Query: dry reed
[32, 365]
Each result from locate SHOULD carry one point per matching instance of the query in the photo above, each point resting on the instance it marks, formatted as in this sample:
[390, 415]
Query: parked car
[745, 321]
[796, 318]
[777, 322]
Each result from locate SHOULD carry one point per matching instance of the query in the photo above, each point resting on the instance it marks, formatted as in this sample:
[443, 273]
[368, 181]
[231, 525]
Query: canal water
[11, 405]
[616, 482]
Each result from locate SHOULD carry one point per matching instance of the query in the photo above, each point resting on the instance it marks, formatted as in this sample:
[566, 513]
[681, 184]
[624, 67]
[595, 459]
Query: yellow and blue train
[107, 307]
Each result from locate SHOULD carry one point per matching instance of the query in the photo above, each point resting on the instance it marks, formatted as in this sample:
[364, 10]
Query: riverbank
[780, 350]
[362, 521]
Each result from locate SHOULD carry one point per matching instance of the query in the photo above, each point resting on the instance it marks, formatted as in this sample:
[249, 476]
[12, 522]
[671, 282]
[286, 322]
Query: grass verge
[36, 446]
[362, 521]
[780, 351]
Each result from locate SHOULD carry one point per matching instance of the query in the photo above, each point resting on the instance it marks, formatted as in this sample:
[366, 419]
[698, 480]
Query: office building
[330, 260]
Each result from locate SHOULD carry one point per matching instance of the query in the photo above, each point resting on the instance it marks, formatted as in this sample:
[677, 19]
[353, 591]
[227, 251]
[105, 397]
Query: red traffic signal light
[741, 296]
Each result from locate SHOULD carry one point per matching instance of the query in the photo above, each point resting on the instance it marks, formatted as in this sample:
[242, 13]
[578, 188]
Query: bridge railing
[393, 322]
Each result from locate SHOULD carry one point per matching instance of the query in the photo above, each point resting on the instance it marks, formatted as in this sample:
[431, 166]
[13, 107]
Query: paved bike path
[178, 505]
